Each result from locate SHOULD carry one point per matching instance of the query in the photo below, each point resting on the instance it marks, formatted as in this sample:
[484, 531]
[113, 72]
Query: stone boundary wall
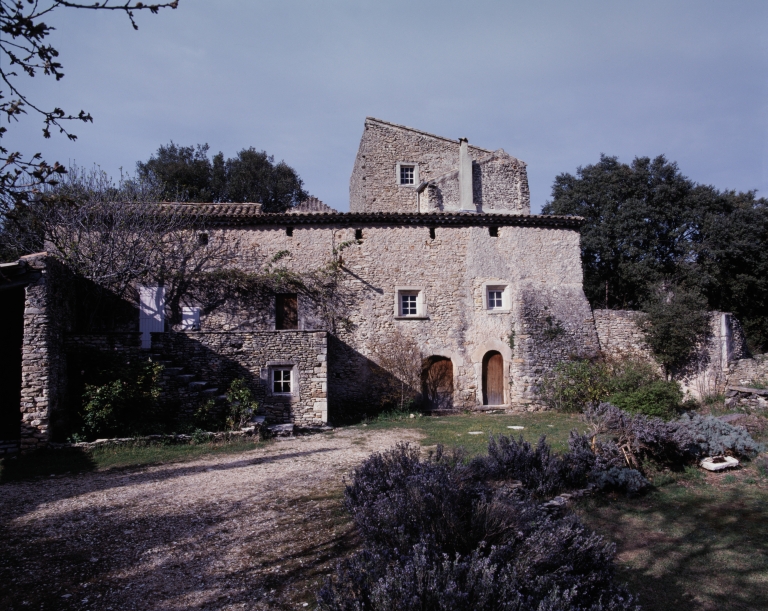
[749, 371]
[220, 357]
[746, 398]
[619, 334]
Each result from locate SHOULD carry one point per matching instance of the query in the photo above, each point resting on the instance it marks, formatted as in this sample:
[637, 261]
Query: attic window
[289, 232]
[431, 233]
[493, 232]
[358, 234]
[202, 239]
[407, 174]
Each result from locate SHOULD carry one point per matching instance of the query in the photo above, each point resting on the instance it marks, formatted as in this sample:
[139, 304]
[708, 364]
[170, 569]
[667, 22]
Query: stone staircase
[185, 387]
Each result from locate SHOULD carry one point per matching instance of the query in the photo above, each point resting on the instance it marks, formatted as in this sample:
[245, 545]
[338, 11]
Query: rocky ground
[257, 530]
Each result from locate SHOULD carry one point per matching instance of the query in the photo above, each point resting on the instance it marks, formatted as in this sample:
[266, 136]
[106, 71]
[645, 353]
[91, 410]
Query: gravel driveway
[254, 530]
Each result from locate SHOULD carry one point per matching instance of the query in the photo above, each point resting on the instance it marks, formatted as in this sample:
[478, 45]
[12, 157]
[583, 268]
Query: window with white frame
[495, 301]
[496, 297]
[407, 174]
[409, 302]
[282, 381]
[408, 305]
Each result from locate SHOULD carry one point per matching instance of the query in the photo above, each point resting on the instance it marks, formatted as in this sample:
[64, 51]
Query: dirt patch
[255, 530]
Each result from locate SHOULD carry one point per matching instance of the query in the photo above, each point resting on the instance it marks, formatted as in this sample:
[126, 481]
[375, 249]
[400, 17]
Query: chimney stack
[465, 178]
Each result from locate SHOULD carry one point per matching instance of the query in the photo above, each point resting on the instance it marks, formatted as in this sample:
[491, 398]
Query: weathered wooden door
[438, 383]
[493, 379]
[11, 340]
[287, 311]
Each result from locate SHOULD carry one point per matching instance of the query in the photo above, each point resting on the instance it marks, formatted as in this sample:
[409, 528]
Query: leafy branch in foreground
[25, 51]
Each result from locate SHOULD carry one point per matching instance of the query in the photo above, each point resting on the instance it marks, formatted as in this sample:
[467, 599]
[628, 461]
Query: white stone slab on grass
[719, 463]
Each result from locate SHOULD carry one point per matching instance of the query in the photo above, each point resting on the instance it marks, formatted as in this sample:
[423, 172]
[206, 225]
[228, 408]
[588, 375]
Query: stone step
[174, 370]
[199, 385]
[186, 378]
[210, 391]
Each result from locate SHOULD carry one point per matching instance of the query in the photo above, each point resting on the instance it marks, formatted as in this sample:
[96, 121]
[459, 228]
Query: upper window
[281, 381]
[494, 299]
[407, 174]
[409, 302]
[408, 305]
[286, 311]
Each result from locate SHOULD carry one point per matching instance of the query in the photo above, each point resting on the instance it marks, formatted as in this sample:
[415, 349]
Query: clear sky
[554, 83]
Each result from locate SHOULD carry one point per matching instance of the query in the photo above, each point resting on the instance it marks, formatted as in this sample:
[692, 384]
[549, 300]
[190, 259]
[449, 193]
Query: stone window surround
[415, 173]
[505, 297]
[271, 367]
[421, 303]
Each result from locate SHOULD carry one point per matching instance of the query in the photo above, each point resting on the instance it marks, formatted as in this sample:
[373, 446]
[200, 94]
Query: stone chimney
[465, 178]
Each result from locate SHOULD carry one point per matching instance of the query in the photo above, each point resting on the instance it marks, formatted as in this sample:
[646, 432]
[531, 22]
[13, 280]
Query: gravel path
[256, 530]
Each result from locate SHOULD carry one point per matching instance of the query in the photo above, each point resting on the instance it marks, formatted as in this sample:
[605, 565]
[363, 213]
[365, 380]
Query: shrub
[709, 436]
[242, 405]
[127, 405]
[574, 385]
[660, 398]
[438, 535]
[676, 322]
[632, 384]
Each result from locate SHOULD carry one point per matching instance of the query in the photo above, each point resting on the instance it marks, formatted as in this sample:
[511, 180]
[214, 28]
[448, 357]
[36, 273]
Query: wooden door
[438, 383]
[493, 379]
[11, 340]
[287, 311]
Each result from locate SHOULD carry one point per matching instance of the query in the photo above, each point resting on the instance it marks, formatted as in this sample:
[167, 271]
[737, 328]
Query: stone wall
[500, 181]
[745, 398]
[749, 371]
[47, 314]
[620, 335]
[499, 185]
[220, 357]
[539, 266]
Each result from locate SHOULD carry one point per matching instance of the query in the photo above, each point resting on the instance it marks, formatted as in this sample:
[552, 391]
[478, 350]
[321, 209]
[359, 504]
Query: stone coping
[752, 391]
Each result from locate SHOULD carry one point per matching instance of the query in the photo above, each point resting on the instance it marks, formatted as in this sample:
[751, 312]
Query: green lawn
[455, 430]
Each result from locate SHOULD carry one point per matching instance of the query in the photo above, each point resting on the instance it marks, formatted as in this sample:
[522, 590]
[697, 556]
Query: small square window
[407, 175]
[202, 239]
[493, 232]
[408, 305]
[494, 299]
[281, 381]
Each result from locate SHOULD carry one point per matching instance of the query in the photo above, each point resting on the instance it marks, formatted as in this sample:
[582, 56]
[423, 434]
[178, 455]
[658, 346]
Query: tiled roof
[250, 214]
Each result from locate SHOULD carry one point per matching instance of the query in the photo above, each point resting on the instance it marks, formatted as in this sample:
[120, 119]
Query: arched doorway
[437, 383]
[493, 378]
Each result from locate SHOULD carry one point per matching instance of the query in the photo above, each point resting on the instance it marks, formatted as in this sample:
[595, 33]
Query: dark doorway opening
[437, 383]
[286, 311]
[11, 338]
[493, 378]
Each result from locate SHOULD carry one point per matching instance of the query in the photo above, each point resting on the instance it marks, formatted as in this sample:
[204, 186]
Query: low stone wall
[743, 397]
[749, 371]
[220, 357]
[619, 334]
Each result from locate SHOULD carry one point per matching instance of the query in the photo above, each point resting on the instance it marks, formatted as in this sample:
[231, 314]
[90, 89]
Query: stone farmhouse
[439, 247]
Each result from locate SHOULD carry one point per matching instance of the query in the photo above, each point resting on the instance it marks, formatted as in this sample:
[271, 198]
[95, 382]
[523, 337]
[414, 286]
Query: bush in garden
[573, 385]
[632, 384]
[438, 535]
[242, 405]
[125, 402]
[660, 398]
[709, 436]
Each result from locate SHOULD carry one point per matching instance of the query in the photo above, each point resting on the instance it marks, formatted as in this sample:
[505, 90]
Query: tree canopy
[188, 174]
[647, 223]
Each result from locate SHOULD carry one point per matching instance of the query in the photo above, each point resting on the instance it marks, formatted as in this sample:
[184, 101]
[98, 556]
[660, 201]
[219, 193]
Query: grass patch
[454, 430]
[698, 541]
[47, 463]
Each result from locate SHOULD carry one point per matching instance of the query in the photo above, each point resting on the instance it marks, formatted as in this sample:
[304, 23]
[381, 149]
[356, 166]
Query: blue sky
[554, 83]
